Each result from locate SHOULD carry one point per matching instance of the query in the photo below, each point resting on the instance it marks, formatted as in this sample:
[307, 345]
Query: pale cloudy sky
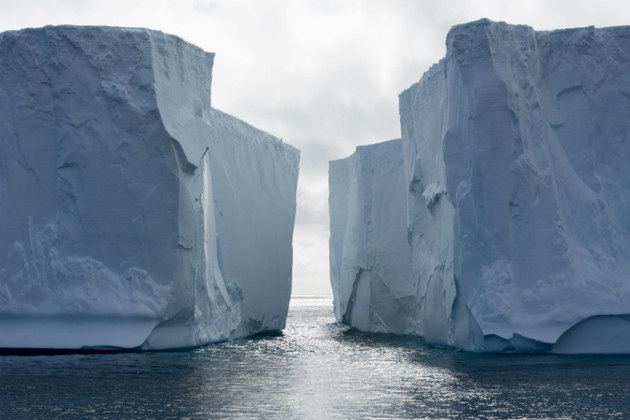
[323, 75]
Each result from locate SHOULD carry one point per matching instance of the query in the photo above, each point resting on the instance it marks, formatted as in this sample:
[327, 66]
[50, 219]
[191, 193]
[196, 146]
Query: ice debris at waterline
[510, 231]
[132, 213]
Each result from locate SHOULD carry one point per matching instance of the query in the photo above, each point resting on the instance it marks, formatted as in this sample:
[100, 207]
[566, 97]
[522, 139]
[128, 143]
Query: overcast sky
[323, 75]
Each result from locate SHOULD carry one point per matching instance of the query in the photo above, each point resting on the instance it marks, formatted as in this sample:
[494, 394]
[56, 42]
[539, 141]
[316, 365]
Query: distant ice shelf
[509, 229]
[132, 213]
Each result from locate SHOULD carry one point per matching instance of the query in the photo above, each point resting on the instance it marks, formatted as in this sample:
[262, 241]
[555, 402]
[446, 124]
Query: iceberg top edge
[367, 148]
[460, 38]
[95, 28]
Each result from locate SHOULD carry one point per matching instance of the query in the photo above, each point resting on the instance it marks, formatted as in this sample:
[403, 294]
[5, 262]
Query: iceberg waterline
[132, 213]
[510, 227]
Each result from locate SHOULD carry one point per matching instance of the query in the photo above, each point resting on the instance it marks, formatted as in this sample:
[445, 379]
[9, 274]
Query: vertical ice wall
[523, 133]
[515, 148]
[132, 214]
[370, 262]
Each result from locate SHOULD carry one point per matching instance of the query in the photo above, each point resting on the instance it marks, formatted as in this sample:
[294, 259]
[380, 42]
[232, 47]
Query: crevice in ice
[185, 164]
[432, 194]
[67, 165]
[515, 344]
[347, 316]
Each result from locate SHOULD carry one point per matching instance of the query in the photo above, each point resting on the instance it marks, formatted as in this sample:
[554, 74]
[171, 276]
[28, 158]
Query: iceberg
[515, 149]
[133, 215]
[370, 261]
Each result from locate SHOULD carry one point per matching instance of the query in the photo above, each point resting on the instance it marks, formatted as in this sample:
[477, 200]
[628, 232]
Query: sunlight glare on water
[314, 369]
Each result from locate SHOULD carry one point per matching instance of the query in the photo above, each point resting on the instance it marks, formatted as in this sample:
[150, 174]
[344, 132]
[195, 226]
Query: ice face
[515, 150]
[132, 214]
[370, 261]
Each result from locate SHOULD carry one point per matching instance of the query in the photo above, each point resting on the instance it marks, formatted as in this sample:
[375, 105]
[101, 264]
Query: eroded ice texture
[516, 148]
[132, 214]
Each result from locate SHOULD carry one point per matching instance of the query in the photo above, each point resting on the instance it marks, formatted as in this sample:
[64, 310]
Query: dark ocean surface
[315, 369]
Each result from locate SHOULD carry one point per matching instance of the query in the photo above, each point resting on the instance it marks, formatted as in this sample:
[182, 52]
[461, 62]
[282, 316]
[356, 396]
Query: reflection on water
[315, 369]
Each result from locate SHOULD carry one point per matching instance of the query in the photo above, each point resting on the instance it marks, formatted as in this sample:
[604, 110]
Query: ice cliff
[515, 151]
[370, 262]
[132, 213]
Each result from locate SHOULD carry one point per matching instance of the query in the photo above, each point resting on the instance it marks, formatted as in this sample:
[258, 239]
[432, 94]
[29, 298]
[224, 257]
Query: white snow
[515, 150]
[132, 213]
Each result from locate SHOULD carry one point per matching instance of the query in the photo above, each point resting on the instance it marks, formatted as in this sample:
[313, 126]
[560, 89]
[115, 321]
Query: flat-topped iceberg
[370, 261]
[515, 148]
[132, 213]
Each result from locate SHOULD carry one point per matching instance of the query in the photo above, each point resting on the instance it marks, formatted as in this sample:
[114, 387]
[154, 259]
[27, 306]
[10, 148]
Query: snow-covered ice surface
[132, 213]
[516, 148]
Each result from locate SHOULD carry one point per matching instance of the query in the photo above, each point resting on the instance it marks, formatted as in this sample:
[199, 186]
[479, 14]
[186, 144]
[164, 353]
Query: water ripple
[314, 369]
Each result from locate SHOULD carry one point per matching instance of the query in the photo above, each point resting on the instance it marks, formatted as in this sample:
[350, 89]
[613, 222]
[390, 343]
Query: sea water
[314, 369]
